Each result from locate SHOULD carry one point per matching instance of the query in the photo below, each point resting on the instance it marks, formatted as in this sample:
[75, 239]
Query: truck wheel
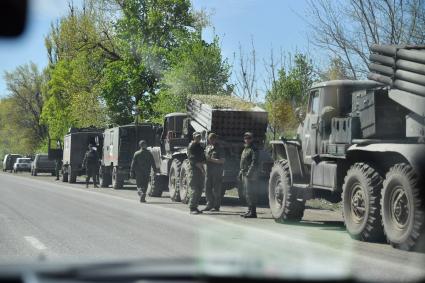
[64, 177]
[184, 182]
[403, 209]
[282, 196]
[361, 194]
[104, 177]
[117, 179]
[72, 176]
[156, 185]
[173, 181]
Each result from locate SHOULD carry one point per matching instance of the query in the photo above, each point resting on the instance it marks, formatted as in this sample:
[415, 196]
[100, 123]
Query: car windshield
[278, 139]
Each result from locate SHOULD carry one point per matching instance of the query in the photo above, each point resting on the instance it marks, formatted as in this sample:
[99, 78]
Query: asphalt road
[45, 219]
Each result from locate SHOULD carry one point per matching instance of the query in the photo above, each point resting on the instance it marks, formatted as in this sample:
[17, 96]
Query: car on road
[22, 164]
[42, 164]
[9, 160]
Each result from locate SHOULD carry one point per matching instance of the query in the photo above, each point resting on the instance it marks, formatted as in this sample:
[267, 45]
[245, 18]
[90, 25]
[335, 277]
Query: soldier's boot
[95, 185]
[195, 211]
[252, 213]
[143, 197]
[246, 213]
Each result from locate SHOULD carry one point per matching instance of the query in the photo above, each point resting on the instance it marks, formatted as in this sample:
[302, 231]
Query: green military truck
[229, 118]
[75, 145]
[361, 142]
[120, 144]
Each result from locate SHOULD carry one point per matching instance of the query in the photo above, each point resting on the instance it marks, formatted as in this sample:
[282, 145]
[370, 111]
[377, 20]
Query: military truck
[120, 144]
[361, 142]
[75, 145]
[227, 122]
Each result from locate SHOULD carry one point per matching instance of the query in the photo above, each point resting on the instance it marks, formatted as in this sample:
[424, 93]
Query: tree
[146, 32]
[347, 29]
[22, 109]
[335, 71]
[288, 82]
[196, 67]
[246, 73]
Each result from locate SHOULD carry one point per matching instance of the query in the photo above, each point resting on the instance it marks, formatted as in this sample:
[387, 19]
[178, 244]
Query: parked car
[42, 164]
[9, 160]
[22, 164]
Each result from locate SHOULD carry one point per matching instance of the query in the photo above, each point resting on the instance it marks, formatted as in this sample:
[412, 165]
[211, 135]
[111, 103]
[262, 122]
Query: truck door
[310, 128]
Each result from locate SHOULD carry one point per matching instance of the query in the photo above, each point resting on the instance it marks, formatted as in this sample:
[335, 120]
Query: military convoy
[361, 142]
[228, 123]
[120, 144]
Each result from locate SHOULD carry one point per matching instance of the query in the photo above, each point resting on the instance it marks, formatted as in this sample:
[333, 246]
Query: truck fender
[156, 153]
[392, 153]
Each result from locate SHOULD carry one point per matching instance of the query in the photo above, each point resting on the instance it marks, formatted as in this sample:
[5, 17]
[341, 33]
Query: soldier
[248, 174]
[215, 159]
[141, 168]
[196, 156]
[58, 167]
[91, 163]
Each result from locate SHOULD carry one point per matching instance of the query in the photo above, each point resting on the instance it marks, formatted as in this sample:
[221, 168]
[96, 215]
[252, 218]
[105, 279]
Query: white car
[22, 164]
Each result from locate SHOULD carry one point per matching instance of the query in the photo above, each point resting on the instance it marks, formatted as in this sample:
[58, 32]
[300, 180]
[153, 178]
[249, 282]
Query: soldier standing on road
[215, 159]
[248, 174]
[91, 163]
[58, 167]
[141, 169]
[196, 156]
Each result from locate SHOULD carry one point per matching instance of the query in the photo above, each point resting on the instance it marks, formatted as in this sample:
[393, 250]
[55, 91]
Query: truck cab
[354, 146]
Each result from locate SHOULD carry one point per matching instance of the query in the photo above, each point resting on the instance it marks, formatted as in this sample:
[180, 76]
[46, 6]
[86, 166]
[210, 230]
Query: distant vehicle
[9, 160]
[22, 164]
[120, 144]
[42, 164]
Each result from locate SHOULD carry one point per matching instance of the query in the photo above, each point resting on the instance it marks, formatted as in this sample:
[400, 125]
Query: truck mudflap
[413, 153]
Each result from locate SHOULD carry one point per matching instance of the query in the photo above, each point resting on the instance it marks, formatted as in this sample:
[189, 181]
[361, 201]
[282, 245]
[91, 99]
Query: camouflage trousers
[213, 189]
[250, 188]
[196, 185]
[142, 182]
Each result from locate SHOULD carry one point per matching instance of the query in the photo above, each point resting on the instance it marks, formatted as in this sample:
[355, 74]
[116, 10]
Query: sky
[270, 23]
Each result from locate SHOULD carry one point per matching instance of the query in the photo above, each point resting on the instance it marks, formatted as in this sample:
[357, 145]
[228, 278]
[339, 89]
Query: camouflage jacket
[249, 162]
[142, 162]
[214, 151]
[195, 154]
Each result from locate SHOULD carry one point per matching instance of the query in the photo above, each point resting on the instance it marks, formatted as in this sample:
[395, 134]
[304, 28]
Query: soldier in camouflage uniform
[215, 159]
[196, 156]
[141, 166]
[249, 174]
[91, 163]
[58, 167]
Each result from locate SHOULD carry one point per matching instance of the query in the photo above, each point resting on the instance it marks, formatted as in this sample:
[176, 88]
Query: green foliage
[335, 71]
[224, 102]
[20, 127]
[196, 67]
[288, 92]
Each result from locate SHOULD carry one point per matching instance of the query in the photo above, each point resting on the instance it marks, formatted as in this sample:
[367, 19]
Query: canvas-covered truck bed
[76, 143]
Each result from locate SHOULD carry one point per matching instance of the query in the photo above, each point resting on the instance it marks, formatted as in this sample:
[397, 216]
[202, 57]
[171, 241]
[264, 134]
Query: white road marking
[35, 242]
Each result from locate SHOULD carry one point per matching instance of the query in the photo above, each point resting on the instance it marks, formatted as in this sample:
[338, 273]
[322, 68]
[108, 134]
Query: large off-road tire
[184, 187]
[157, 184]
[117, 179]
[72, 176]
[361, 194]
[105, 177]
[64, 177]
[403, 207]
[283, 201]
[174, 180]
